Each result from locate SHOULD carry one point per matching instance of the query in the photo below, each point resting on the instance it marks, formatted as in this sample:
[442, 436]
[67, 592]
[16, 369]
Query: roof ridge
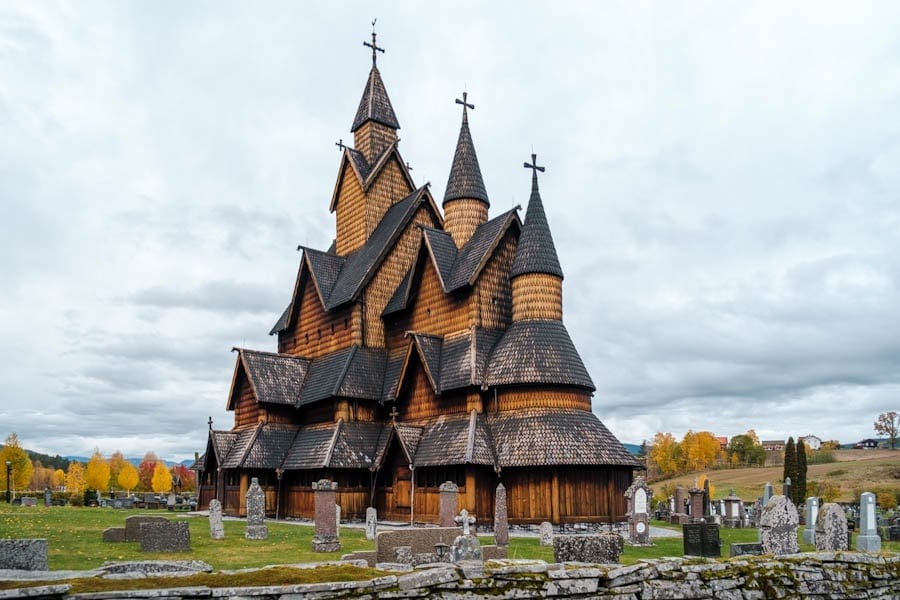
[340, 380]
[252, 441]
[333, 442]
[470, 441]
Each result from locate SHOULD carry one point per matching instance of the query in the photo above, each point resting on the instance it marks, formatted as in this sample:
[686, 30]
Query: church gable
[313, 331]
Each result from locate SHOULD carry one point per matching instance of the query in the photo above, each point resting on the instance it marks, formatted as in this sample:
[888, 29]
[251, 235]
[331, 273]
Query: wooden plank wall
[313, 332]
[390, 186]
[350, 213]
[492, 299]
[246, 409]
[519, 398]
[584, 495]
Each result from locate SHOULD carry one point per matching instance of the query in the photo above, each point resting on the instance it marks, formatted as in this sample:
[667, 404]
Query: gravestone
[545, 531]
[48, 497]
[465, 546]
[831, 528]
[768, 492]
[697, 504]
[778, 527]
[337, 520]
[420, 539]
[604, 548]
[733, 511]
[744, 549]
[325, 538]
[868, 539]
[638, 512]
[216, 526]
[29, 501]
[167, 536]
[133, 526]
[449, 497]
[371, 523]
[403, 555]
[707, 512]
[812, 512]
[114, 534]
[679, 513]
[701, 539]
[501, 522]
[786, 488]
[24, 554]
[256, 512]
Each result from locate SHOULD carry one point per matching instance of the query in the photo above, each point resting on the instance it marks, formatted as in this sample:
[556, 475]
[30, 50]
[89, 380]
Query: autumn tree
[96, 475]
[664, 454]
[145, 470]
[116, 462]
[128, 477]
[888, 424]
[162, 479]
[701, 482]
[800, 486]
[20, 465]
[185, 476]
[790, 463]
[700, 450]
[75, 478]
[746, 449]
[41, 477]
[59, 479]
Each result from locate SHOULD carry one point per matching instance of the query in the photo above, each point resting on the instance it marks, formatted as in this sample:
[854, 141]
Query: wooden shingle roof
[270, 446]
[536, 252]
[553, 436]
[465, 179]
[375, 104]
[455, 440]
[242, 442]
[275, 378]
[537, 352]
[353, 372]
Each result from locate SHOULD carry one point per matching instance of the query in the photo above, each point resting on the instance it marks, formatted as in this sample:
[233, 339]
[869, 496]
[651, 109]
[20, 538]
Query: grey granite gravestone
[733, 511]
[501, 522]
[868, 539]
[133, 526]
[812, 512]
[449, 498]
[325, 538]
[602, 548]
[768, 492]
[371, 523]
[745, 549]
[465, 546]
[216, 525]
[778, 526]
[679, 513]
[337, 520]
[48, 497]
[24, 554]
[545, 531]
[168, 536]
[638, 512]
[831, 528]
[256, 512]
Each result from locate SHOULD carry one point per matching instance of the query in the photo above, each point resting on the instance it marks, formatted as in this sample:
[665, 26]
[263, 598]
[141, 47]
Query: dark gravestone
[133, 526]
[747, 548]
[701, 539]
[114, 534]
[168, 536]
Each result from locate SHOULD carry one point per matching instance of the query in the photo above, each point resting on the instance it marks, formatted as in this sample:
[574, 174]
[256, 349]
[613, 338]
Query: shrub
[76, 499]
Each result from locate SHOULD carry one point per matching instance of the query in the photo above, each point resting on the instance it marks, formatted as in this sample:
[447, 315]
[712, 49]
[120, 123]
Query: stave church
[425, 345]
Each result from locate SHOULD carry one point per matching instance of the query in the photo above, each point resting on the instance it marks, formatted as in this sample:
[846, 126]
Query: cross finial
[408, 166]
[534, 165]
[210, 422]
[394, 413]
[374, 45]
[465, 520]
[340, 144]
[465, 104]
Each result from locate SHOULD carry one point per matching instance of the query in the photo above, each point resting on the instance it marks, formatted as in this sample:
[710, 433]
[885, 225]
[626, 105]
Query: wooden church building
[423, 346]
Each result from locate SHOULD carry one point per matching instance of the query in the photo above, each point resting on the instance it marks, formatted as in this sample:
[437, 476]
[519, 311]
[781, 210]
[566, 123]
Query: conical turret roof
[465, 175]
[375, 104]
[536, 252]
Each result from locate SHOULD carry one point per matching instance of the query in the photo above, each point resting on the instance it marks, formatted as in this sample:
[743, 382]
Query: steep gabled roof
[367, 174]
[324, 268]
[442, 251]
[375, 104]
[429, 350]
[537, 351]
[400, 299]
[536, 252]
[239, 448]
[393, 367]
[312, 447]
[274, 378]
[356, 445]
[465, 175]
[455, 439]
[353, 372]
[270, 445]
[554, 436]
[220, 443]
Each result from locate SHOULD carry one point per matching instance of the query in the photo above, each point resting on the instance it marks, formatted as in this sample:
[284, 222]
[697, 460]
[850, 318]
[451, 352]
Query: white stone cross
[465, 520]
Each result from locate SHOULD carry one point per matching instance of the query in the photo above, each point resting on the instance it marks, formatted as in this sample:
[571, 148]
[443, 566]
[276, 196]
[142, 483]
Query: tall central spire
[375, 125]
[465, 199]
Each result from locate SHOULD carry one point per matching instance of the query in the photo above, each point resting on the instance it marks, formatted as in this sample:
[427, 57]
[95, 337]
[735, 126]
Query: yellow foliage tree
[96, 476]
[128, 477]
[75, 478]
[162, 479]
[700, 450]
[59, 479]
[20, 465]
[116, 462]
[664, 454]
[701, 481]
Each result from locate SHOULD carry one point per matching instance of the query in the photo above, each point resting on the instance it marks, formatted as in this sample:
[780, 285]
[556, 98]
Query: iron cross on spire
[340, 144]
[534, 165]
[210, 423]
[465, 103]
[374, 45]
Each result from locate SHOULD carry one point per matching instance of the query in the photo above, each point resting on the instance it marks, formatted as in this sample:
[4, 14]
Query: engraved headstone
[165, 536]
[256, 512]
[812, 512]
[868, 539]
[465, 546]
[371, 523]
[325, 538]
[778, 527]
[679, 512]
[546, 533]
[638, 500]
[449, 497]
[701, 539]
[48, 497]
[216, 526]
[698, 504]
[733, 511]
[831, 528]
[501, 523]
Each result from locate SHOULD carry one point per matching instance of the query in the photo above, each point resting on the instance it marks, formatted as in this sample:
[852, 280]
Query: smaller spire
[465, 179]
[536, 252]
[374, 45]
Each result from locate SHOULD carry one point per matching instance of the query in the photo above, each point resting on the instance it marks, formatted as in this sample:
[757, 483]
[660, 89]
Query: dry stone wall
[816, 576]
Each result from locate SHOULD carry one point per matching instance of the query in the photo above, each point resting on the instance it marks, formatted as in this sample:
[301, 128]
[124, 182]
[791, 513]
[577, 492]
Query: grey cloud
[228, 297]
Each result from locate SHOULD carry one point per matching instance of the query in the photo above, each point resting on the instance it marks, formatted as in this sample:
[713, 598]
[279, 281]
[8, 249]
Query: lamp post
[8, 470]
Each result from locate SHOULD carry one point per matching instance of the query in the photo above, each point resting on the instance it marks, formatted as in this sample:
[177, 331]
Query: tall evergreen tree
[790, 464]
[800, 496]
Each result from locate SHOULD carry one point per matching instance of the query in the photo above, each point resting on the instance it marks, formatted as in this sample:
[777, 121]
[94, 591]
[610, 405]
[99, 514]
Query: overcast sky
[722, 184]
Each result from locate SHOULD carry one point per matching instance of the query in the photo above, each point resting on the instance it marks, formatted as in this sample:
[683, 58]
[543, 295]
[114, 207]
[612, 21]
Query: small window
[346, 324]
[306, 335]
[332, 329]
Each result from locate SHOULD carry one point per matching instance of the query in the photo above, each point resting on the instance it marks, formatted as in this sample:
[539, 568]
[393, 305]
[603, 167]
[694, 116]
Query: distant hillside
[133, 460]
[634, 449]
[62, 462]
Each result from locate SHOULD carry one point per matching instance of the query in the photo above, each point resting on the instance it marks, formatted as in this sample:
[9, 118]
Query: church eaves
[465, 179]
[375, 104]
[536, 252]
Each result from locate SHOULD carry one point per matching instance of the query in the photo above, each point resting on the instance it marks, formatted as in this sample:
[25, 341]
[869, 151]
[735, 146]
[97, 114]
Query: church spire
[465, 199]
[375, 104]
[536, 252]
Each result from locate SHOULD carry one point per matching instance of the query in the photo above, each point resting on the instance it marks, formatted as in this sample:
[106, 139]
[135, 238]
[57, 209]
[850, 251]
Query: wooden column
[554, 497]
[245, 483]
[470, 489]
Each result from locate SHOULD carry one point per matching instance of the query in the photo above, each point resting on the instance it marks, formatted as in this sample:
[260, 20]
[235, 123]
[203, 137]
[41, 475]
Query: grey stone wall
[420, 541]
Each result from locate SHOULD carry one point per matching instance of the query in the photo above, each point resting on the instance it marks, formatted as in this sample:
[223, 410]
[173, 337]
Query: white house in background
[812, 442]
